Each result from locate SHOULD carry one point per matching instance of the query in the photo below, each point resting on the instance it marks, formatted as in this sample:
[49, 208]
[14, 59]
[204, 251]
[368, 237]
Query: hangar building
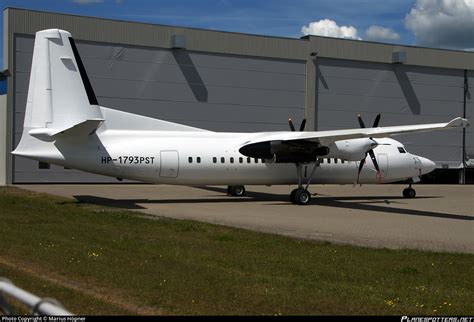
[226, 81]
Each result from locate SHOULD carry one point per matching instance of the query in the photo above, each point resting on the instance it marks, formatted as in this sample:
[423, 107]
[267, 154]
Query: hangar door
[403, 94]
[212, 91]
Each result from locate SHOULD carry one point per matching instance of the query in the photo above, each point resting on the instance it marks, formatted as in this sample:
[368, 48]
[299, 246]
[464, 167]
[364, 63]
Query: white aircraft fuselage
[210, 158]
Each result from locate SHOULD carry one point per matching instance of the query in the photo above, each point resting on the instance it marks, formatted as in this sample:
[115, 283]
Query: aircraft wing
[293, 147]
[327, 137]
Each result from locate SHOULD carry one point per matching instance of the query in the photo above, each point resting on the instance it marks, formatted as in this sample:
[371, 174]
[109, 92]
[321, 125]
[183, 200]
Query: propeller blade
[292, 127]
[376, 121]
[374, 161]
[303, 124]
[361, 165]
[361, 123]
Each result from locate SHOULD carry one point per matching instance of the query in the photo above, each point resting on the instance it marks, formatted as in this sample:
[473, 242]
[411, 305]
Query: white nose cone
[427, 165]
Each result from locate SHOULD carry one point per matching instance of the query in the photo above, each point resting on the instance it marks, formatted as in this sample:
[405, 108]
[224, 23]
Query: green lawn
[99, 260]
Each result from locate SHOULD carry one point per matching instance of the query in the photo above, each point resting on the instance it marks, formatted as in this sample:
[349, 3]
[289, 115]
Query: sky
[429, 23]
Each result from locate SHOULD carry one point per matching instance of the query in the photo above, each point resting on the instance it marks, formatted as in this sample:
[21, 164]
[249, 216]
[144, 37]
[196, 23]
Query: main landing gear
[300, 195]
[409, 192]
[236, 191]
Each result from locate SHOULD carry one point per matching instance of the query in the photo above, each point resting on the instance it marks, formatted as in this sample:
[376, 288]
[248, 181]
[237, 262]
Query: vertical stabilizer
[60, 95]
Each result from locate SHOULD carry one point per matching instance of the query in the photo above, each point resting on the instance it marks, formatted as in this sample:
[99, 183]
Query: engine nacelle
[351, 150]
[298, 151]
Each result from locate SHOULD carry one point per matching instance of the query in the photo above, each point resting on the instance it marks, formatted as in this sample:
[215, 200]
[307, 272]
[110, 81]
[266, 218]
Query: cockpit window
[401, 150]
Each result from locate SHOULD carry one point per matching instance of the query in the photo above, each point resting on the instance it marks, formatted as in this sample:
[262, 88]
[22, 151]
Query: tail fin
[60, 95]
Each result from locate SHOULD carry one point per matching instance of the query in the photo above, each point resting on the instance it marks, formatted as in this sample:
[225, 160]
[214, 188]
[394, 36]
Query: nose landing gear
[409, 192]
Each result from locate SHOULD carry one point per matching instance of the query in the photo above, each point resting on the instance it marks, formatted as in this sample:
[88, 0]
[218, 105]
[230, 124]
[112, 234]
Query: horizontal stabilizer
[87, 127]
[81, 129]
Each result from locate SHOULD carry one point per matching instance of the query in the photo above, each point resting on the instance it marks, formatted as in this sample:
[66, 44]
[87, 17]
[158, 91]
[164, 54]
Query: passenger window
[401, 150]
[248, 160]
[198, 159]
[222, 159]
[231, 160]
[329, 160]
[190, 160]
[214, 160]
[241, 160]
[342, 161]
[256, 160]
[335, 160]
[263, 160]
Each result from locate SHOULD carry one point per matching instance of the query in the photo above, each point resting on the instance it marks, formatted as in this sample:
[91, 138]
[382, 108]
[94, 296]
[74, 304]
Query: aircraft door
[169, 164]
[417, 164]
[382, 160]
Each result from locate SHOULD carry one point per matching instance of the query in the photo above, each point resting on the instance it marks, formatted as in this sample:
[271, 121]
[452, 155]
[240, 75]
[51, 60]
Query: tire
[302, 197]
[238, 191]
[409, 193]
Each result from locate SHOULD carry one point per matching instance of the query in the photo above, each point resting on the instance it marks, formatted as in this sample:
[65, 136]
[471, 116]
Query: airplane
[65, 125]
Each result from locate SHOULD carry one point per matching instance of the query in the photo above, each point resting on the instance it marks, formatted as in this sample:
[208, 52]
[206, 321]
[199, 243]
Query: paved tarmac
[441, 218]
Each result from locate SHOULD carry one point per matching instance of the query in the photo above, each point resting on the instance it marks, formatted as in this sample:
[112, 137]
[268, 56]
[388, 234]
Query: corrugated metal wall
[213, 91]
[404, 94]
[470, 116]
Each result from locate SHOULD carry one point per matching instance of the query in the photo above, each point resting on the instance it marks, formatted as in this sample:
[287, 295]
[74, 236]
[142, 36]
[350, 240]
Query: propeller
[362, 124]
[292, 127]
[371, 151]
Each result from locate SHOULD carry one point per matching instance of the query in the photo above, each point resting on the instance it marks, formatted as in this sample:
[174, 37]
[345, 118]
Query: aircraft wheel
[237, 191]
[302, 197]
[409, 193]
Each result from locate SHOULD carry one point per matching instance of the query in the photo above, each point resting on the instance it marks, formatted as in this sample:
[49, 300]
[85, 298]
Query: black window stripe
[82, 71]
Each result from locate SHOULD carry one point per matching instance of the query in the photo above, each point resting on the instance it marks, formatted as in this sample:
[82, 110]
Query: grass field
[98, 260]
